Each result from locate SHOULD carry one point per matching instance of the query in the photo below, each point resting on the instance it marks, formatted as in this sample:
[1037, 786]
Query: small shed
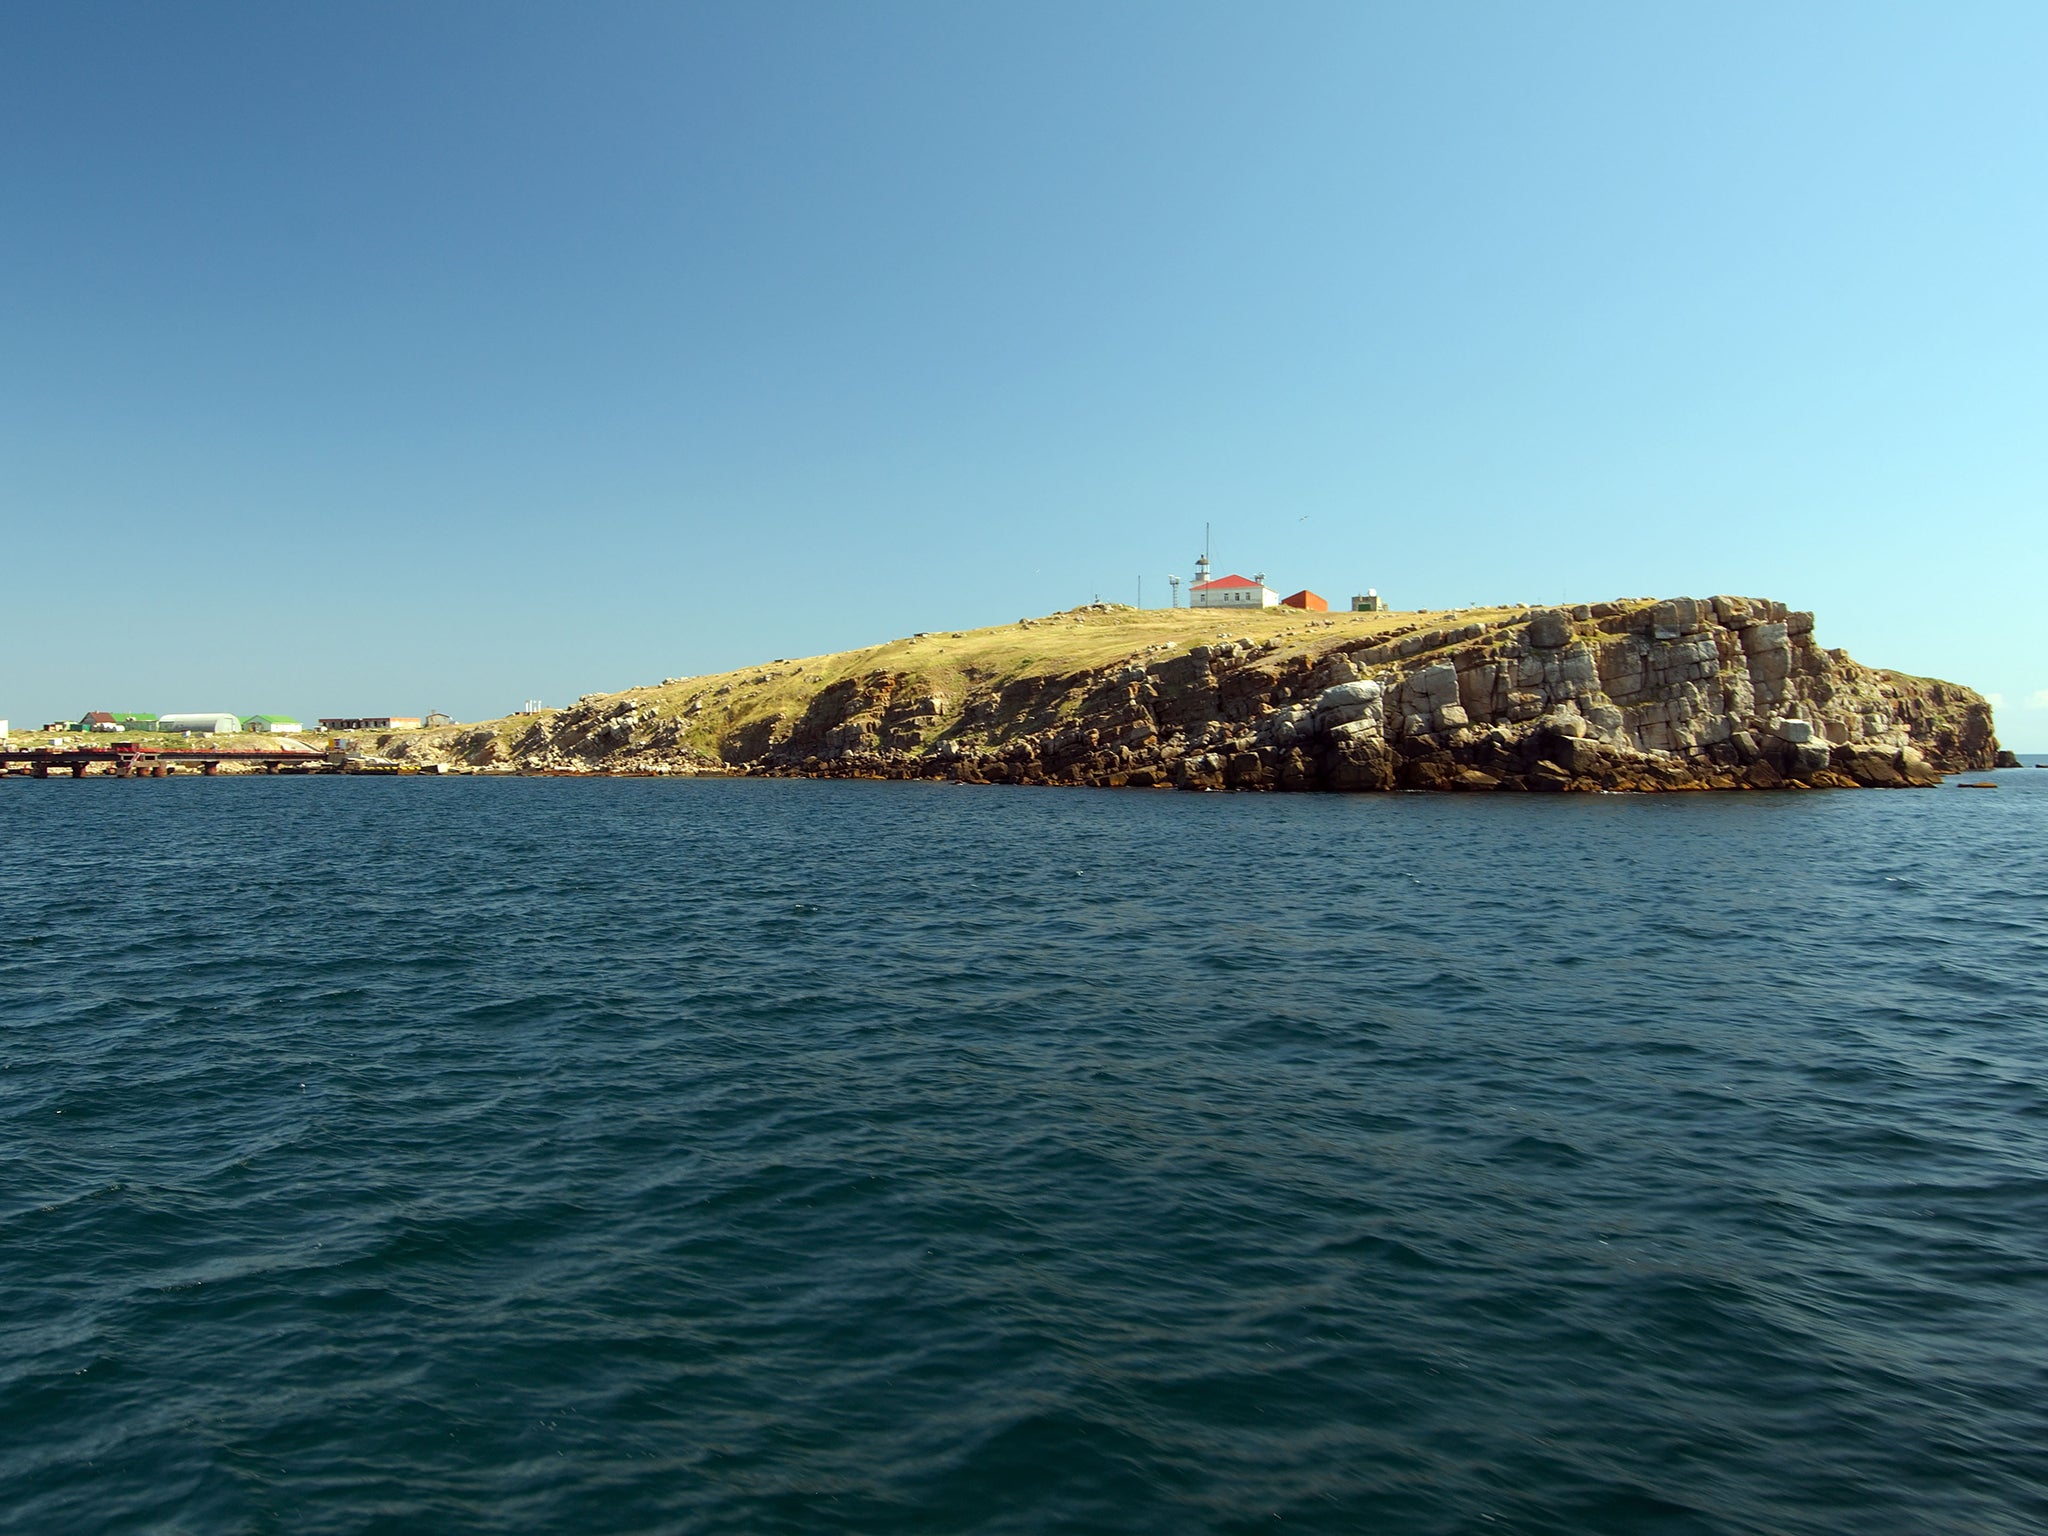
[272, 725]
[1306, 601]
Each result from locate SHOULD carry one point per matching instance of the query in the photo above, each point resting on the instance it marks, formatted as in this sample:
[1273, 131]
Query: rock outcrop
[1686, 693]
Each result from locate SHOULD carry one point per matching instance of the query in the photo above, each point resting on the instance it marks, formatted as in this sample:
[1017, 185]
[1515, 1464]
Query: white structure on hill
[1233, 592]
[201, 725]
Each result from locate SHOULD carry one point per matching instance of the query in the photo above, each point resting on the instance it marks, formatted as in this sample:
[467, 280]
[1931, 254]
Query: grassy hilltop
[1720, 692]
[1635, 694]
[721, 708]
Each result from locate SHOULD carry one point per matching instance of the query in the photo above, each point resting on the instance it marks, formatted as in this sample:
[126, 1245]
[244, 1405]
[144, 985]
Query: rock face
[1687, 693]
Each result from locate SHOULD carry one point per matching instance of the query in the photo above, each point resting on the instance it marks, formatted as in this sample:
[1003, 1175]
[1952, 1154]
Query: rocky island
[1638, 694]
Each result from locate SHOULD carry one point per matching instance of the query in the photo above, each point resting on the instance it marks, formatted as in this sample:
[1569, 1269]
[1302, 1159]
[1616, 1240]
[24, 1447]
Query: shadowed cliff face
[1687, 693]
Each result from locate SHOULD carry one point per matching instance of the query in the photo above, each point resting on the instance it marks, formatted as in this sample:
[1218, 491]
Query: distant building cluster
[213, 722]
[1236, 591]
[222, 723]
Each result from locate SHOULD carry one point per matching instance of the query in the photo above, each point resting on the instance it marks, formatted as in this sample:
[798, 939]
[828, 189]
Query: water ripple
[638, 1156]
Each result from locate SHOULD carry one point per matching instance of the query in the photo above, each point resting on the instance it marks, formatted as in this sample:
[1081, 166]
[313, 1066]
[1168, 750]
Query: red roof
[1221, 581]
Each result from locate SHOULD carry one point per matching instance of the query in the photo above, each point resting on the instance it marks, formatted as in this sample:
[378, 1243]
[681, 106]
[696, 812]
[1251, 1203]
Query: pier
[128, 760]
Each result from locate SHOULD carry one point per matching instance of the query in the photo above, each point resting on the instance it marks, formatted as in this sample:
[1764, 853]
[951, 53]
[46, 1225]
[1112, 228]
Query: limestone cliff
[1687, 693]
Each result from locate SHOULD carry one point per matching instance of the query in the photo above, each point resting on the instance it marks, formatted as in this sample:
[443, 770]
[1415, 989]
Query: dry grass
[954, 662]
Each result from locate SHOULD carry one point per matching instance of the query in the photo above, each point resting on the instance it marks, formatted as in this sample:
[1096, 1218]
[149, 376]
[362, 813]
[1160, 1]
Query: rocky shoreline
[1636, 695]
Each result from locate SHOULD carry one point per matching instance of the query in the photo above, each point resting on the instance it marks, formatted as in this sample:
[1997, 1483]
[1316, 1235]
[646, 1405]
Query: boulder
[1870, 766]
[1431, 688]
[1347, 695]
[1575, 755]
[1549, 629]
[1338, 669]
[1916, 770]
[1360, 763]
[1809, 760]
[1244, 770]
[1426, 774]
[1761, 775]
[1674, 617]
[1348, 714]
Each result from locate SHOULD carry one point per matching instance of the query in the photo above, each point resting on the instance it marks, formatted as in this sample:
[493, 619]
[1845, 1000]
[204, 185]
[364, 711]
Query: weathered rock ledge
[1686, 693]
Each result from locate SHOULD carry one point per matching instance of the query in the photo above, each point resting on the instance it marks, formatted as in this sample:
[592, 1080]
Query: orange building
[1306, 601]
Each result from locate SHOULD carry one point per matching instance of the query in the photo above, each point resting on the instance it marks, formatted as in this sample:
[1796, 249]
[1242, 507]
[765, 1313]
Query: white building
[201, 725]
[1232, 592]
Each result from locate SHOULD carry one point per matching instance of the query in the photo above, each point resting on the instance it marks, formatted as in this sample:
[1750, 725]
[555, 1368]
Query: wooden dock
[131, 760]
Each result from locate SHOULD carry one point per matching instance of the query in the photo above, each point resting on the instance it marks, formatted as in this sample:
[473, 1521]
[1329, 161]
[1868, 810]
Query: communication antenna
[1173, 597]
[1141, 591]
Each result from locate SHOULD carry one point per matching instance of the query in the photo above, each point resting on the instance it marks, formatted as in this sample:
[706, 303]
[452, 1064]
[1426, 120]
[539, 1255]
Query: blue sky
[392, 357]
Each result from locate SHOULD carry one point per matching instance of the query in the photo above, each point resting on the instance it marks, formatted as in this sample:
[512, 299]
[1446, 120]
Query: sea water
[761, 1156]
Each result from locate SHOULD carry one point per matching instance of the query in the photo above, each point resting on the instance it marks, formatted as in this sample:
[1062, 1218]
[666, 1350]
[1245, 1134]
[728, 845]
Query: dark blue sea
[592, 1156]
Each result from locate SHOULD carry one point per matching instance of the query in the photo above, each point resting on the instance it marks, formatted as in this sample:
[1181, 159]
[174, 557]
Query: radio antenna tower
[1173, 598]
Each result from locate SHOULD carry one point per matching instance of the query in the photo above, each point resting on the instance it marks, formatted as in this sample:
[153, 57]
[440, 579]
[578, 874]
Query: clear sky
[384, 357]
